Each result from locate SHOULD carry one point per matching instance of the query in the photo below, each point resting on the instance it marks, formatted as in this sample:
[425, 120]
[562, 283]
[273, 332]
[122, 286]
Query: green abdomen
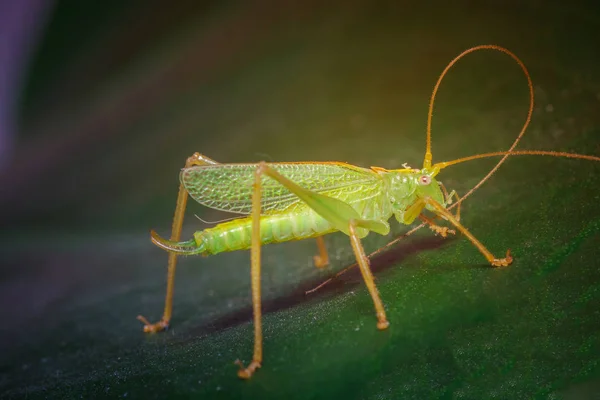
[237, 234]
[303, 223]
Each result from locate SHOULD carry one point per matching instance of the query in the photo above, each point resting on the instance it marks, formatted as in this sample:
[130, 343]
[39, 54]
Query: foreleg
[496, 262]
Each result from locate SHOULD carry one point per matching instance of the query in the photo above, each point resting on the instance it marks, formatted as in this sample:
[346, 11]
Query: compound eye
[424, 180]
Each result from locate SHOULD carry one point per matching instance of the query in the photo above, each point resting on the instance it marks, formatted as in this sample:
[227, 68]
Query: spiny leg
[321, 260]
[458, 202]
[365, 270]
[448, 197]
[496, 262]
[443, 231]
[163, 324]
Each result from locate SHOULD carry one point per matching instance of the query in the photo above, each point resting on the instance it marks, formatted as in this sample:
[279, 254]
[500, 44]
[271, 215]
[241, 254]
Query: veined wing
[228, 187]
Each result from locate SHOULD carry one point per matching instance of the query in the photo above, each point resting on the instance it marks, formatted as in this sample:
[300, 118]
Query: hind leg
[163, 324]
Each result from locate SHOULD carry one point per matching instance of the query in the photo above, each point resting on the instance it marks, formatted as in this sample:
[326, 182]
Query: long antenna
[445, 164]
[428, 155]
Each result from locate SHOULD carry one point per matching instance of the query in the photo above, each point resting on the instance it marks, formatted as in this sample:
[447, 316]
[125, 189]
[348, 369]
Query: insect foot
[153, 328]
[381, 325]
[443, 231]
[382, 322]
[503, 262]
[246, 373]
[320, 262]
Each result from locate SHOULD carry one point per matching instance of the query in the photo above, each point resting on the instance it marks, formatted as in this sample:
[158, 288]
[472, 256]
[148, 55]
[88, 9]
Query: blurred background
[101, 103]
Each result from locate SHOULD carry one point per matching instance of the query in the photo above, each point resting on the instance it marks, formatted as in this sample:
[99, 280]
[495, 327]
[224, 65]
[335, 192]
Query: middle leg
[321, 260]
[367, 274]
[496, 262]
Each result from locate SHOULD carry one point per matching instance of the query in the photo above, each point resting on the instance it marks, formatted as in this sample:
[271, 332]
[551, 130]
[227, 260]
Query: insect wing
[228, 187]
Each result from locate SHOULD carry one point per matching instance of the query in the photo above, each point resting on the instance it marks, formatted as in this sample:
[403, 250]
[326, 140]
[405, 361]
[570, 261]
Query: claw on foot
[443, 231]
[503, 262]
[381, 325]
[160, 326]
[382, 322]
[246, 373]
[320, 262]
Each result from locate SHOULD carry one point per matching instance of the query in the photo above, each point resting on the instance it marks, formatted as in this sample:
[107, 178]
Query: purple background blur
[22, 26]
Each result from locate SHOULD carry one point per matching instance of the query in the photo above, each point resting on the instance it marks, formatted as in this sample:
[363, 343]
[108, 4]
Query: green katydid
[293, 201]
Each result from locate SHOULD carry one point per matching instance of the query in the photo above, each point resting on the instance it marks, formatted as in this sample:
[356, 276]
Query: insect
[299, 200]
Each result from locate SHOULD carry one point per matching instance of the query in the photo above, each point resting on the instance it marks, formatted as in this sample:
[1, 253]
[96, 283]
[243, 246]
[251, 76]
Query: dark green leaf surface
[311, 84]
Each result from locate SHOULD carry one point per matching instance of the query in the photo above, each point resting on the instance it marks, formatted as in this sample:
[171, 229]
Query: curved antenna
[428, 156]
[506, 154]
[445, 164]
